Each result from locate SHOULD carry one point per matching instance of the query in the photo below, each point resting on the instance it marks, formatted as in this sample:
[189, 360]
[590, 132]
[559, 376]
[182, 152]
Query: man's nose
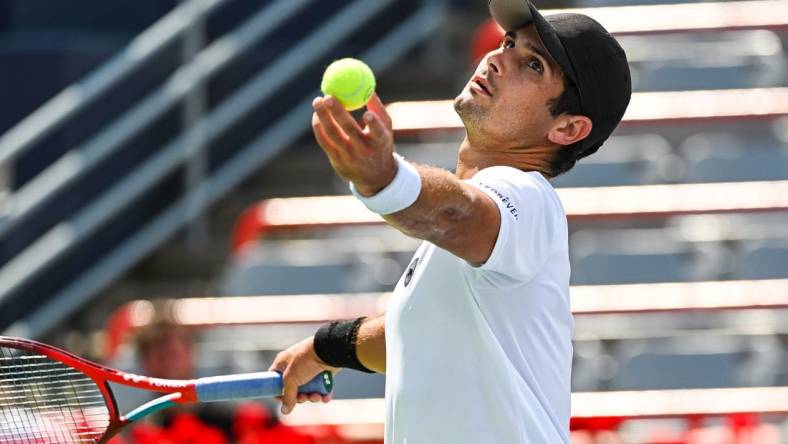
[495, 62]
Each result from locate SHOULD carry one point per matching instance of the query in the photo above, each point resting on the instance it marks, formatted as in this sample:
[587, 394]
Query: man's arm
[371, 344]
[448, 212]
[452, 214]
[299, 363]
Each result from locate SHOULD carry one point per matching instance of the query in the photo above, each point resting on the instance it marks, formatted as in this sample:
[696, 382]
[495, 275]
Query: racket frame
[179, 391]
[176, 391]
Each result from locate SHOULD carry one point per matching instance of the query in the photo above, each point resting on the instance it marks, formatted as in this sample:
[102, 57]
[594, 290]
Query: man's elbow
[434, 228]
[449, 223]
[469, 235]
[465, 239]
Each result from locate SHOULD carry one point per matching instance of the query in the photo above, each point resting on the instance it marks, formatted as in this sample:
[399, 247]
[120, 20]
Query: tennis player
[476, 340]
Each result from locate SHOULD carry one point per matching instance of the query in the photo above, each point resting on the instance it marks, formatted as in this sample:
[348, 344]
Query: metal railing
[77, 161]
[76, 97]
[74, 164]
[69, 233]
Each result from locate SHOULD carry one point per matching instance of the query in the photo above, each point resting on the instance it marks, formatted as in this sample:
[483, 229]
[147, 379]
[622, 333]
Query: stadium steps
[182, 268]
[45, 294]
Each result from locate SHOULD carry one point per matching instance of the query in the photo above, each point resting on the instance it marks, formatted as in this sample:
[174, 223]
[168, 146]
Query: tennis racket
[48, 395]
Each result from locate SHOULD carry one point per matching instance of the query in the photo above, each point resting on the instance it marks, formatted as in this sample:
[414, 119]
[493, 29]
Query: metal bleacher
[678, 228]
[245, 323]
[689, 192]
[116, 163]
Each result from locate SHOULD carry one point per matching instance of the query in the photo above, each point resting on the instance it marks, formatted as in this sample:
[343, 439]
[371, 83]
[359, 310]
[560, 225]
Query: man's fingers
[375, 105]
[331, 130]
[322, 139]
[278, 365]
[289, 393]
[377, 132]
[345, 121]
[311, 397]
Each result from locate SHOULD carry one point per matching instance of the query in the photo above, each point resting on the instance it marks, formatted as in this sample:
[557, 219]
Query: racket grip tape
[254, 385]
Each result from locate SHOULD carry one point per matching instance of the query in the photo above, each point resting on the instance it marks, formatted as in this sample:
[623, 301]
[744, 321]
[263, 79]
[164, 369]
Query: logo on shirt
[411, 270]
[506, 201]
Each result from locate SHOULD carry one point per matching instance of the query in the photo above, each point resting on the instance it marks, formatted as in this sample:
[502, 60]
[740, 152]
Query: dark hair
[157, 331]
[567, 103]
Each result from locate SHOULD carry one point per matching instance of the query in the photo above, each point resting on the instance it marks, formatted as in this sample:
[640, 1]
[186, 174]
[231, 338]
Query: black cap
[589, 56]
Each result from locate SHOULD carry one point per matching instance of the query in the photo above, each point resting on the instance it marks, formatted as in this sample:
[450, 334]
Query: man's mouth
[482, 84]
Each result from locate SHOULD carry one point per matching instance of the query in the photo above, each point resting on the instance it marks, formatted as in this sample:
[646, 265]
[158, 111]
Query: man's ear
[570, 129]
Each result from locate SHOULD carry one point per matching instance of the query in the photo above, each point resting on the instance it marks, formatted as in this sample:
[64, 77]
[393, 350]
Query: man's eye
[536, 65]
[507, 44]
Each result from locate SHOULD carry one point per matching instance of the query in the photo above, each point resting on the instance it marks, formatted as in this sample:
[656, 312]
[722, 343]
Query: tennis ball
[350, 81]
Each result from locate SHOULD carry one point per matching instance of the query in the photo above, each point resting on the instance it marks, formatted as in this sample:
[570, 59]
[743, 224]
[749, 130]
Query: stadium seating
[143, 145]
[678, 232]
[719, 140]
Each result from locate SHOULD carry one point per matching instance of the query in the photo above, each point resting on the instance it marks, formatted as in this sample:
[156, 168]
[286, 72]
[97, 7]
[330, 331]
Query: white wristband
[399, 194]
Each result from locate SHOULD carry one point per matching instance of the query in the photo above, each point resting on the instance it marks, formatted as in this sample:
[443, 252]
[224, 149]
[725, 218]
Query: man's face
[171, 357]
[507, 100]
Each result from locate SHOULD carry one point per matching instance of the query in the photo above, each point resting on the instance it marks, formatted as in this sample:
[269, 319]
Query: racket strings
[45, 401]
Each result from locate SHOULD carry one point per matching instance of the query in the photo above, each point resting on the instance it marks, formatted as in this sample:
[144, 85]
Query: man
[476, 340]
[168, 350]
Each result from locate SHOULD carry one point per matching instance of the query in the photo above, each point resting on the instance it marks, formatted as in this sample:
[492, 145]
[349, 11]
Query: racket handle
[254, 385]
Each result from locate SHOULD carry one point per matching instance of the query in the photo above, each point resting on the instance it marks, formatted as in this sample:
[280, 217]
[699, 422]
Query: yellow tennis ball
[350, 81]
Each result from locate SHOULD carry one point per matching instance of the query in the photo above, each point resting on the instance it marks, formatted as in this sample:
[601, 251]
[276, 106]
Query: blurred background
[154, 157]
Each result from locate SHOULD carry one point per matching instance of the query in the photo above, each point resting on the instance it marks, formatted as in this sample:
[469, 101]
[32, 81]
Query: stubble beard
[470, 112]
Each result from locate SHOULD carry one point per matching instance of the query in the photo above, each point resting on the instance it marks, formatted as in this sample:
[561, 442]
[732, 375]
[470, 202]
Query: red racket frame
[101, 375]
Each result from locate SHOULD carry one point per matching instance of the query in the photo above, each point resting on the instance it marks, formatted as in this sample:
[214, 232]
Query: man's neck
[471, 159]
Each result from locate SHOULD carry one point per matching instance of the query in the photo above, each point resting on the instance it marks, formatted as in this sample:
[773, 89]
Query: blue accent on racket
[254, 385]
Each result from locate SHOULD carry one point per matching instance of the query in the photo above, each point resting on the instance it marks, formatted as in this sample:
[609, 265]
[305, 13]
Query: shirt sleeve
[528, 227]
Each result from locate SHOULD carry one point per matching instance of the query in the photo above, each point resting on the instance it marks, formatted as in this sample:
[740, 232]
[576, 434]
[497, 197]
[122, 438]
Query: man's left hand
[363, 156]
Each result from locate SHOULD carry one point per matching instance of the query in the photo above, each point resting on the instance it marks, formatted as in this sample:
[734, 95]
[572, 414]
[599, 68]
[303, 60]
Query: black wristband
[335, 344]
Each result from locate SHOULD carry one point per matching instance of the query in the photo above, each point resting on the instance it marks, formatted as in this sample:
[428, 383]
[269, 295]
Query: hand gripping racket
[48, 395]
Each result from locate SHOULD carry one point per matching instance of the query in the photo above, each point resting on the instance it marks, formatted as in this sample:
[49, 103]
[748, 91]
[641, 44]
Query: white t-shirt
[484, 354]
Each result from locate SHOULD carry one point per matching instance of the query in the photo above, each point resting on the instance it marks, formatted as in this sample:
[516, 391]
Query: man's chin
[459, 102]
[468, 108]
[464, 101]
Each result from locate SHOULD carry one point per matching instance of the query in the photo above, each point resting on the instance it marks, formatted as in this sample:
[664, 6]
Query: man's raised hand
[359, 155]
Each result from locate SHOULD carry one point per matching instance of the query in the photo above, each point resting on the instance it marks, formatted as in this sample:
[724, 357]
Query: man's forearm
[371, 344]
[450, 214]
[447, 212]
[441, 202]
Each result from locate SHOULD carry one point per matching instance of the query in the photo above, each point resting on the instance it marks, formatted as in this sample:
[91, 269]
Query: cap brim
[515, 14]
